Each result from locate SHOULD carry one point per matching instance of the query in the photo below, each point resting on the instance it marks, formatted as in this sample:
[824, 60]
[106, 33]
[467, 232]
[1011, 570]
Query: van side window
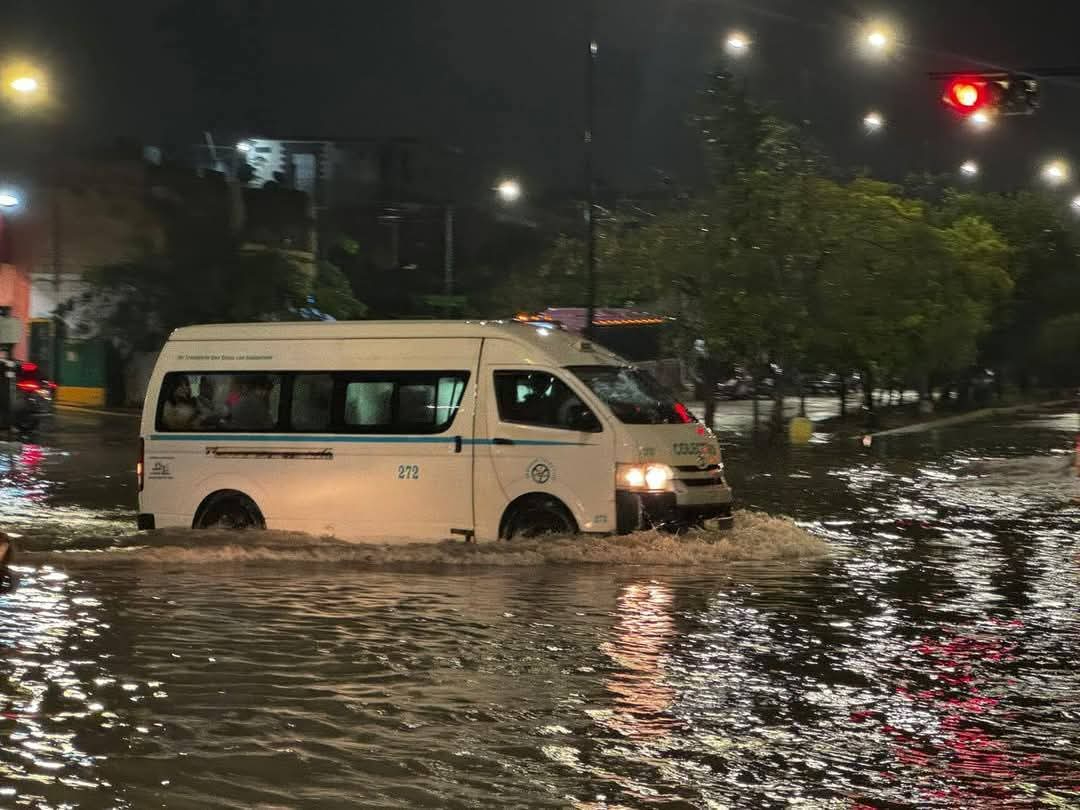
[538, 398]
[369, 404]
[246, 402]
[403, 402]
[312, 396]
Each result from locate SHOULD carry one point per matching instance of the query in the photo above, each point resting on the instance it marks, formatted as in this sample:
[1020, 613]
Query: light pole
[591, 52]
[874, 122]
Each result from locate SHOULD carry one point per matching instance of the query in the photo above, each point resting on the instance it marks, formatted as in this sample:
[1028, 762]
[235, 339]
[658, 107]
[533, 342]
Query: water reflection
[641, 695]
[47, 635]
[930, 662]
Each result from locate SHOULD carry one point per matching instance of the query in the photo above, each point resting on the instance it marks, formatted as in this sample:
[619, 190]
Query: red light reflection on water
[957, 753]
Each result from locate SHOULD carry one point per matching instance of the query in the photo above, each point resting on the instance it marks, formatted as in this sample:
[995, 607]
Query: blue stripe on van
[293, 437]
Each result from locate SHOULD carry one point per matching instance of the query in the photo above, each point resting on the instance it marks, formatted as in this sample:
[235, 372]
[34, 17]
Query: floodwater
[913, 642]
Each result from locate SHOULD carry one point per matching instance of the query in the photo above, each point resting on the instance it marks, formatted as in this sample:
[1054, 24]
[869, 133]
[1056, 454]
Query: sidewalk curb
[973, 416]
[96, 411]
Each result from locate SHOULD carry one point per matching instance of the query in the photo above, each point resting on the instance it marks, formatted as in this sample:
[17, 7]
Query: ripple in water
[931, 663]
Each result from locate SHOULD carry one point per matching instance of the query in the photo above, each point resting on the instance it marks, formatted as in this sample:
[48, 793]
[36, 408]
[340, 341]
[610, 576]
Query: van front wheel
[540, 516]
[228, 510]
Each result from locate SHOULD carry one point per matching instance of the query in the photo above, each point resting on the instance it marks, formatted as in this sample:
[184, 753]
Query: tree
[136, 304]
[1043, 267]
[334, 295]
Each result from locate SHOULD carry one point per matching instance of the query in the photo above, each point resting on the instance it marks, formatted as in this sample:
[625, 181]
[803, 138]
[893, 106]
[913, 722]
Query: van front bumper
[657, 510]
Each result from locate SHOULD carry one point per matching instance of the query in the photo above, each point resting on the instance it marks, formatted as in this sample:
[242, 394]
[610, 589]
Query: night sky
[502, 79]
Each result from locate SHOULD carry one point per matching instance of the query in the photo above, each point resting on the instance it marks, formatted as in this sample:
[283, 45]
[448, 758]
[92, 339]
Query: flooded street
[924, 655]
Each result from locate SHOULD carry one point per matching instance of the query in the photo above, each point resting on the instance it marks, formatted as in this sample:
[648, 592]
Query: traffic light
[969, 95]
[999, 93]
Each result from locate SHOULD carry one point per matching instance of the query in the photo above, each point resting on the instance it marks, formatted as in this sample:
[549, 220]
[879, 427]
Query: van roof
[563, 347]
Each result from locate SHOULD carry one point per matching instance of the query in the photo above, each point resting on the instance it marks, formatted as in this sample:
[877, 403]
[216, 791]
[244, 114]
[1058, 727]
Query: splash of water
[756, 537]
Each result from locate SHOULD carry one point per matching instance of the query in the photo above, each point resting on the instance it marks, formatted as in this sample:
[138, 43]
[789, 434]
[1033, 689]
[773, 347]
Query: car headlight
[650, 477]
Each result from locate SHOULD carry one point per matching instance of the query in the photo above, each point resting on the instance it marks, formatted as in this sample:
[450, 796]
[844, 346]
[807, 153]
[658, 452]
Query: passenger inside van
[251, 410]
[179, 410]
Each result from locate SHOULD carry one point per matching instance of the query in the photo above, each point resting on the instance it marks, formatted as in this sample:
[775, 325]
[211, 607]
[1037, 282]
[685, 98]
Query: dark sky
[503, 78]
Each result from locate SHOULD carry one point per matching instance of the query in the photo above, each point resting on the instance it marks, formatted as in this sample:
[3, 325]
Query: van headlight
[650, 477]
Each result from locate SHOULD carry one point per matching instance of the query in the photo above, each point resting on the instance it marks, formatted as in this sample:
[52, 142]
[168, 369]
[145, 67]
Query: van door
[407, 442]
[541, 441]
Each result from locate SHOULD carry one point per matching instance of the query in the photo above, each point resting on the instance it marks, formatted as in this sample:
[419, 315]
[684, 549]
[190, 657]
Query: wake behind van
[417, 431]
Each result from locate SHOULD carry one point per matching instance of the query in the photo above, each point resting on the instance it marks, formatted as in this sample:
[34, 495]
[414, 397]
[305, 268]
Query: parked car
[34, 396]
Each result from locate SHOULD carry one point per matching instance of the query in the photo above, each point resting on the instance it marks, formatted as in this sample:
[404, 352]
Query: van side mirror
[582, 420]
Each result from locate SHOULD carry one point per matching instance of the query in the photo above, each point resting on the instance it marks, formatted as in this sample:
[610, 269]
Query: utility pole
[591, 51]
[448, 250]
[57, 239]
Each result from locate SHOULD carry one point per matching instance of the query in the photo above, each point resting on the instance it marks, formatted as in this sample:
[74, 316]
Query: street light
[9, 199]
[22, 83]
[969, 168]
[877, 39]
[737, 44]
[509, 191]
[243, 147]
[25, 85]
[1056, 172]
[981, 120]
[874, 122]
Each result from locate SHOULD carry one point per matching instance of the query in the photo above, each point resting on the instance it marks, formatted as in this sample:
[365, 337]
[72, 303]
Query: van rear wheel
[229, 510]
[540, 517]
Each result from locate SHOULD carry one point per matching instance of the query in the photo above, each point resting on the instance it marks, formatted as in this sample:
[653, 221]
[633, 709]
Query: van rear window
[228, 402]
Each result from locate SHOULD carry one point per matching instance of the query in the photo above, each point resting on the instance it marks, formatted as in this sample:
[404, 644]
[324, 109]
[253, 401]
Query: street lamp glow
[1056, 172]
[509, 191]
[25, 85]
[8, 199]
[737, 43]
[877, 39]
[243, 147]
[874, 122]
[981, 120]
[969, 168]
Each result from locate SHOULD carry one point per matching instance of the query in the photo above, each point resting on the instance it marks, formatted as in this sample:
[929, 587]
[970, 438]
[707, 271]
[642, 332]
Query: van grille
[701, 482]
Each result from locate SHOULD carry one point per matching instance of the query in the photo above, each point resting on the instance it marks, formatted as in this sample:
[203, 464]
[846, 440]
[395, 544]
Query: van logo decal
[160, 470]
[541, 471]
[690, 448]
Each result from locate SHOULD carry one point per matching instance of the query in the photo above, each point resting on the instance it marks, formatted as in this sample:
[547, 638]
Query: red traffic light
[968, 95]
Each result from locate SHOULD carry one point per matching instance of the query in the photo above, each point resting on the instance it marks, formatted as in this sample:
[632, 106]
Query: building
[14, 285]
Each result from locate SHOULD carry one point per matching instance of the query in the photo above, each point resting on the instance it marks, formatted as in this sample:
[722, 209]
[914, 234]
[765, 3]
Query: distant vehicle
[34, 396]
[412, 431]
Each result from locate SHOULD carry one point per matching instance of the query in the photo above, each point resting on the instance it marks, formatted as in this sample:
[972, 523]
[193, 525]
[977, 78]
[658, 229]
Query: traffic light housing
[999, 93]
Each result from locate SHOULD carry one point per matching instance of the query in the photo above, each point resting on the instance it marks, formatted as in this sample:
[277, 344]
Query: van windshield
[633, 395]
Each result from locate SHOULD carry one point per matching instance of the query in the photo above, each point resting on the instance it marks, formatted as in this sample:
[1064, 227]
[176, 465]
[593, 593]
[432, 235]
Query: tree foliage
[201, 274]
[778, 261]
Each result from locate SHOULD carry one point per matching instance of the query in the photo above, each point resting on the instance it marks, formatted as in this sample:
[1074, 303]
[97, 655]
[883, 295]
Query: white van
[417, 431]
